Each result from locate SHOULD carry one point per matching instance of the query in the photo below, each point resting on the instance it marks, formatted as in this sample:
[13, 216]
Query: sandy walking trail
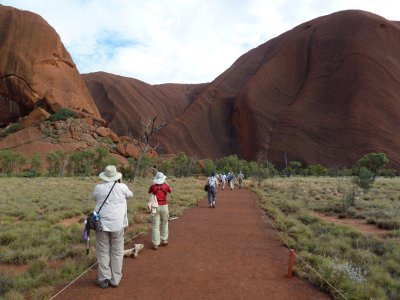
[227, 252]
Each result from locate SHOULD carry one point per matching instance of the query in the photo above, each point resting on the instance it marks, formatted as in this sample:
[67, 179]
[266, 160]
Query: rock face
[36, 70]
[327, 91]
[37, 78]
[125, 101]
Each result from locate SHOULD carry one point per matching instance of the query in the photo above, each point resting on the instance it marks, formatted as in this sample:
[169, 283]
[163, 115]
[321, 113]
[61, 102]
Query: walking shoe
[137, 249]
[213, 205]
[113, 285]
[210, 206]
[155, 247]
[164, 243]
[102, 283]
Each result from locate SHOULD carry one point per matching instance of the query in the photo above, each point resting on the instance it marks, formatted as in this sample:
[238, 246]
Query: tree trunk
[136, 168]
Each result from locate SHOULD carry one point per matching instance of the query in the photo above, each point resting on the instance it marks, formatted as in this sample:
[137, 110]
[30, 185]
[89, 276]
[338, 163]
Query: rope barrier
[87, 270]
[73, 281]
[304, 262]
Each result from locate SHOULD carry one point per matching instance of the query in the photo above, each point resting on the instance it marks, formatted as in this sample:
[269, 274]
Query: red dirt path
[229, 252]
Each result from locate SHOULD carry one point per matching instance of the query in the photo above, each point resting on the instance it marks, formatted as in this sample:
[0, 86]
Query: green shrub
[6, 283]
[7, 238]
[365, 178]
[56, 161]
[12, 128]
[11, 161]
[62, 115]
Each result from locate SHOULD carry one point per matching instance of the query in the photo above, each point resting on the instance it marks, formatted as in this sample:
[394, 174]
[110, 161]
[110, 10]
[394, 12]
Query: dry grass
[359, 265]
[41, 222]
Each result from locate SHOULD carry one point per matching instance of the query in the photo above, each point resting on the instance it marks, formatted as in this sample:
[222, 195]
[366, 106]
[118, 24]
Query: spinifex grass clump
[359, 265]
[41, 222]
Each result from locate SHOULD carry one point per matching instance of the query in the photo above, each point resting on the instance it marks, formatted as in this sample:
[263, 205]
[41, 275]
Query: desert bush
[7, 283]
[11, 161]
[102, 158]
[209, 167]
[365, 178]
[81, 163]
[62, 115]
[56, 161]
[373, 162]
[390, 173]
[12, 128]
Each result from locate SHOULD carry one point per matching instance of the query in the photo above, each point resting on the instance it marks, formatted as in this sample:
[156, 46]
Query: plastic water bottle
[96, 216]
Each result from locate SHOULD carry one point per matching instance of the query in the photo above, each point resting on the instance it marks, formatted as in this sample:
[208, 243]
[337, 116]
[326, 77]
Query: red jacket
[160, 190]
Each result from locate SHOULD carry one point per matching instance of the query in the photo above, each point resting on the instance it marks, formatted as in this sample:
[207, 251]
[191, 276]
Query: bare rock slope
[327, 91]
[124, 101]
[36, 70]
[37, 79]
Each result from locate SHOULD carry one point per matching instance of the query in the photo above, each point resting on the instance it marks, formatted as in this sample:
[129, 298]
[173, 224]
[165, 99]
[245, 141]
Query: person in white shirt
[212, 182]
[240, 177]
[113, 218]
[223, 179]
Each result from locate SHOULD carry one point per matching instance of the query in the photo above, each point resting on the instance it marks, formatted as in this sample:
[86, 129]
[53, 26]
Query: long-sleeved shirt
[114, 213]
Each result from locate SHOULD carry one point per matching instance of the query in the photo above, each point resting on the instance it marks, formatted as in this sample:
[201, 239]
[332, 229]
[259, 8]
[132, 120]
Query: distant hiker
[159, 217]
[231, 180]
[228, 178]
[212, 190]
[240, 178]
[113, 218]
[223, 179]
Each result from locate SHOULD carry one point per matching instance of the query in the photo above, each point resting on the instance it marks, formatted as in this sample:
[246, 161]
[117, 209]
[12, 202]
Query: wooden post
[291, 262]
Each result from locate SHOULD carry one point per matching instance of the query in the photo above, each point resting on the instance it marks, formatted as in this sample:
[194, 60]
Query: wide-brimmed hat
[159, 178]
[110, 174]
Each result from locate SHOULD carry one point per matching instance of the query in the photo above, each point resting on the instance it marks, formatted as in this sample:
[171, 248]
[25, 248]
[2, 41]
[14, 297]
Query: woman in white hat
[159, 218]
[113, 218]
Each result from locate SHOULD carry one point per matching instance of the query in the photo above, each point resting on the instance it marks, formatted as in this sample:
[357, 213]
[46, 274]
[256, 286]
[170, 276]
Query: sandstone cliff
[36, 70]
[327, 91]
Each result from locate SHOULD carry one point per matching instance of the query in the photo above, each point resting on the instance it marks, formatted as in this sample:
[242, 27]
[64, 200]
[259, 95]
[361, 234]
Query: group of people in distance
[215, 180]
[114, 218]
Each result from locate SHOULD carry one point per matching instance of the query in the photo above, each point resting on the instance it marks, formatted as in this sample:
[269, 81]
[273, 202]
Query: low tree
[181, 165]
[36, 163]
[209, 167]
[10, 161]
[56, 161]
[143, 141]
[374, 162]
[365, 179]
[82, 162]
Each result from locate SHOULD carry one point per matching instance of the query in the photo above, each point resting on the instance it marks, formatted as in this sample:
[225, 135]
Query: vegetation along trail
[227, 252]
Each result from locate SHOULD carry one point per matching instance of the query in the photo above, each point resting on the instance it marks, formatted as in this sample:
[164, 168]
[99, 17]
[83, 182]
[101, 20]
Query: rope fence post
[291, 262]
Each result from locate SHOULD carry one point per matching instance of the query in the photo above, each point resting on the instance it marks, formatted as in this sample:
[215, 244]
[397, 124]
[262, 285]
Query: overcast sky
[180, 41]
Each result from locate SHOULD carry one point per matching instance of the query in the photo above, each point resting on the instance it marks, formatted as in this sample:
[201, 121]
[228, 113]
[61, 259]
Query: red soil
[360, 224]
[229, 252]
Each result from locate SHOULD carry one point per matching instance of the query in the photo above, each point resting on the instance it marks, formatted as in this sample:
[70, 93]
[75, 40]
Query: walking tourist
[113, 219]
[212, 190]
[231, 180]
[160, 215]
[240, 179]
[223, 179]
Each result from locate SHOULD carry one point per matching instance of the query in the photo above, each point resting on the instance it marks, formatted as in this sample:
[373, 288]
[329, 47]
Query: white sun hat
[159, 178]
[110, 174]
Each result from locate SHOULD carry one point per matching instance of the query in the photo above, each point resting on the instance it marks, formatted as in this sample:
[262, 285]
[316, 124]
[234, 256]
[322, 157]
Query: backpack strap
[106, 197]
